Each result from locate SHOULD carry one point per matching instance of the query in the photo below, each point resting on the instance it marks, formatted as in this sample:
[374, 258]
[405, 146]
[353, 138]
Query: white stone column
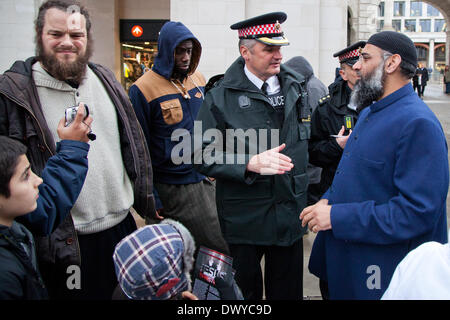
[301, 27]
[366, 18]
[16, 31]
[333, 22]
[447, 48]
[210, 22]
[431, 55]
[105, 33]
[388, 14]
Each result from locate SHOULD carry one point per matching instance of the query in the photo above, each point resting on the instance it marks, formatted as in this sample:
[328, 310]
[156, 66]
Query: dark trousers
[98, 277]
[314, 193]
[421, 90]
[194, 205]
[283, 271]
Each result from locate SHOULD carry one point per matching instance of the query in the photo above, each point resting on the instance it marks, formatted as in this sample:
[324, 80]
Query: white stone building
[316, 29]
[423, 23]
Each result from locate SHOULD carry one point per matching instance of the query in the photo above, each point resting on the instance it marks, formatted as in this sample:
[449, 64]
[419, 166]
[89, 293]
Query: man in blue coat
[389, 192]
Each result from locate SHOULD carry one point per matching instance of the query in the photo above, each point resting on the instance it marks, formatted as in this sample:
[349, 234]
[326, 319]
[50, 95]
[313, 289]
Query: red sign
[137, 31]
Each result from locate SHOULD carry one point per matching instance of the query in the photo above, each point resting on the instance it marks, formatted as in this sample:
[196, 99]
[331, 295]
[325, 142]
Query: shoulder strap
[304, 110]
[324, 99]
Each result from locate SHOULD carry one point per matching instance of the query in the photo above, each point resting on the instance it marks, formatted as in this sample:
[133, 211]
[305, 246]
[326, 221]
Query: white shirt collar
[273, 82]
[352, 106]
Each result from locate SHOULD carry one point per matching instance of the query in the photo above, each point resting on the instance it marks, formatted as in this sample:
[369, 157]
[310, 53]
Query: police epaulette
[324, 99]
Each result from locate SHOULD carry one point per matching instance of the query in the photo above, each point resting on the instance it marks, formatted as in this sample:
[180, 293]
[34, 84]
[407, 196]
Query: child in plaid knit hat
[155, 261]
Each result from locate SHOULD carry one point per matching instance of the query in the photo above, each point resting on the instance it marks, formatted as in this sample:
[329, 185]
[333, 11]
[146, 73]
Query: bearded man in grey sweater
[76, 260]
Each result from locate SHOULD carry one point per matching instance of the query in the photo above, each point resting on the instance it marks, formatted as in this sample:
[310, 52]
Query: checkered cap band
[149, 263]
[349, 55]
[273, 28]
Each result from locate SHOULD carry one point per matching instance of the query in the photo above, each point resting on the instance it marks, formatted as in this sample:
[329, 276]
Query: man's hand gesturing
[270, 162]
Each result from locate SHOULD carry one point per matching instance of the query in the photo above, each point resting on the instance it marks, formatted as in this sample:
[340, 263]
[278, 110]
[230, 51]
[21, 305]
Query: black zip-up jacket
[327, 119]
[22, 118]
[254, 208]
[19, 274]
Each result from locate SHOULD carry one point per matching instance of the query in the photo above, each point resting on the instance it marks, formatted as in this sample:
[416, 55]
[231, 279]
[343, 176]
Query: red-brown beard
[64, 71]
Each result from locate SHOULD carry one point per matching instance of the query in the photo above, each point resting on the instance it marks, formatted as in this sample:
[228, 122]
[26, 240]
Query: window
[440, 25]
[399, 8]
[422, 53]
[415, 9]
[439, 54]
[397, 25]
[381, 9]
[425, 25]
[380, 25]
[410, 25]
[432, 11]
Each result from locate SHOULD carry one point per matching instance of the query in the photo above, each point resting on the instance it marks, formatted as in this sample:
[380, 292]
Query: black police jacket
[256, 209]
[328, 118]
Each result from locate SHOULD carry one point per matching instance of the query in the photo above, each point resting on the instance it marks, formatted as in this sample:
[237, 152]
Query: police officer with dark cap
[259, 199]
[331, 124]
[334, 118]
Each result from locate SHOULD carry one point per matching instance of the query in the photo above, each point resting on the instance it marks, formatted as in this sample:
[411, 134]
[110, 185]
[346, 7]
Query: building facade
[315, 29]
[423, 23]
[125, 32]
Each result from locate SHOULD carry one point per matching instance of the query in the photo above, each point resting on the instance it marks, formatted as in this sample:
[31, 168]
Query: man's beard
[180, 74]
[73, 72]
[369, 88]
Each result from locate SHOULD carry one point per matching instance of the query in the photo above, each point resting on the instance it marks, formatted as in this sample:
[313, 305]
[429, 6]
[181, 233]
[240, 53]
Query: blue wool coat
[63, 177]
[388, 197]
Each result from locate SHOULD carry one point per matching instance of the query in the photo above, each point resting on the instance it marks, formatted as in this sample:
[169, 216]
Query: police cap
[350, 55]
[265, 28]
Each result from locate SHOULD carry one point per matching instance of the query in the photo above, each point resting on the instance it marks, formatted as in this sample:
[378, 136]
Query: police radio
[348, 123]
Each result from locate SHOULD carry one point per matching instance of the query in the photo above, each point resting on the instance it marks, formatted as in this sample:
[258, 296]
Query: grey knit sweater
[107, 194]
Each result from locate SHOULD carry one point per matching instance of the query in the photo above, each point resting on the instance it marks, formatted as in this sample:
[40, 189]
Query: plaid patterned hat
[265, 28]
[350, 55]
[153, 263]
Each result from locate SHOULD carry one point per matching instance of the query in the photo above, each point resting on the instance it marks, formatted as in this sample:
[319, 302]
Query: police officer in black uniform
[259, 201]
[334, 117]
